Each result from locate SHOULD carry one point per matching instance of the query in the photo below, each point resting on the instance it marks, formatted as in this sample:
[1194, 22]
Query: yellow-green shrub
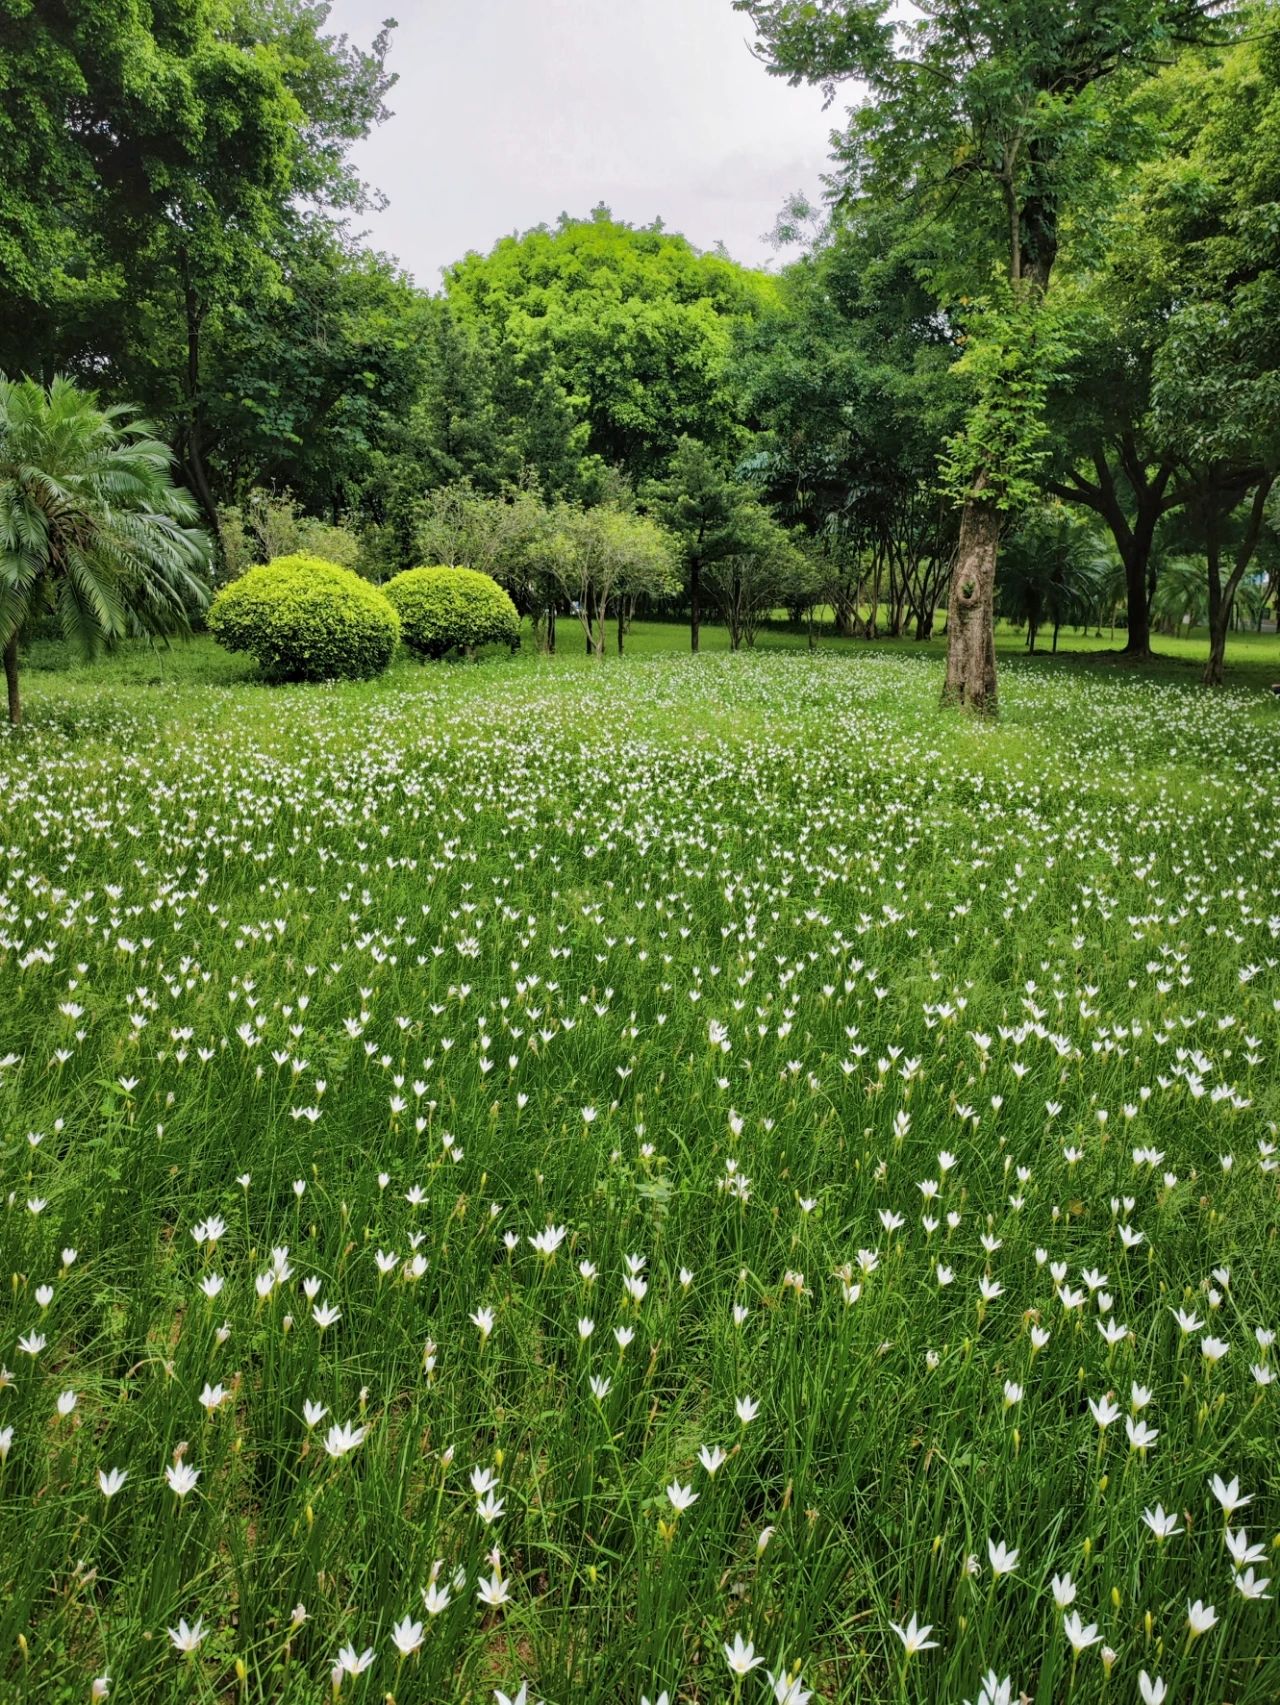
[305, 619]
[447, 609]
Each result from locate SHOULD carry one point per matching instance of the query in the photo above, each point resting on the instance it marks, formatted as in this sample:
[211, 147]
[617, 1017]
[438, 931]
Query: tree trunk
[1136, 560]
[1222, 598]
[551, 630]
[971, 642]
[622, 625]
[197, 473]
[695, 603]
[11, 682]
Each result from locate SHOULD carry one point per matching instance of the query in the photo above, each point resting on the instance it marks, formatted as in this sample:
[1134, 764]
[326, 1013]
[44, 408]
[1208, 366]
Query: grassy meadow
[681, 1179]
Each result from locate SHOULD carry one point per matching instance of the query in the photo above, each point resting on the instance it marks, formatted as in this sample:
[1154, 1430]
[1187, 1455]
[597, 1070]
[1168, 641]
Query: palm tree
[92, 530]
[1051, 571]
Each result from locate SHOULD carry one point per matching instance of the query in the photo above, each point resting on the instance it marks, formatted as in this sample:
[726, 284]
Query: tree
[995, 110]
[851, 387]
[607, 555]
[764, 571]
[508, 536]
[91, 527]
[184, 144]
[633, 326]
[710, 514]
[1209, 213]
[1052, 571]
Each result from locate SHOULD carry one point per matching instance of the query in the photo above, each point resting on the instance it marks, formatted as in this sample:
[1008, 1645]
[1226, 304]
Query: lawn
[611, 1177]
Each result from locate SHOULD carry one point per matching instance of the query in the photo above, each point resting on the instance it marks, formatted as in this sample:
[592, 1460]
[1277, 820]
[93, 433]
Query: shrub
[269, 524]
[306, 619]
[441, 609]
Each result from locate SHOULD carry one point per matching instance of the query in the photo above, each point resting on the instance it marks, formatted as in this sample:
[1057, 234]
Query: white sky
[509, 112]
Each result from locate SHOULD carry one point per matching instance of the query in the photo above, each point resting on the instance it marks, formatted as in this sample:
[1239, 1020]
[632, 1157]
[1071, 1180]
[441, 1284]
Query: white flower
[494, 1591]
[1078, 1633]
[435, 1599]
[1162, 1525]
[914, 1638]
[1228, 1494]
[339, 1440]
[1200, 1617]
[182, 1479]
[490, 1508]
[1064, 1591]
[741, 1658]
[187, 1639]
[681, 1497]
[1003, 1560]
[521, 1698]
[1141, 1436]
[1249, 1586]
[313, 1413]
[1152, 1689]
[993, 1691]
[787, 1689]
[110, 1480]
[712, 1458]
[351, 1662]
[746, 1408]
[483, 1319]
[406, 1636]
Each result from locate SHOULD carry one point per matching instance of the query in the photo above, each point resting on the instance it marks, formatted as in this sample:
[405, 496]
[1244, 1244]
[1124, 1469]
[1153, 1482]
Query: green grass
[706, 961]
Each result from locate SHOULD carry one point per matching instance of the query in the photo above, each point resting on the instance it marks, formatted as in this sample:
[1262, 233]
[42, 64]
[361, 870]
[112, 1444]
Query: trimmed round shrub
[447, 609]
[306, 619]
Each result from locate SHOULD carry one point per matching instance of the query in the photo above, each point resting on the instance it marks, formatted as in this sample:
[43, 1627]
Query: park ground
[699, 1178]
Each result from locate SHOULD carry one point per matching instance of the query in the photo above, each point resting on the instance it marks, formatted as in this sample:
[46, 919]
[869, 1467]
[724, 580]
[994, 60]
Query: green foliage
[451, 609]
[632, 326]
[269, 524]
[91, 527]
[157, 160]
[1014, 351]
[305, 619]
[995, 114]
[1053, 570]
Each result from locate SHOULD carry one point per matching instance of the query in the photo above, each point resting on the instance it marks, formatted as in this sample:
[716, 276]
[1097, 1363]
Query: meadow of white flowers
[700, 1179]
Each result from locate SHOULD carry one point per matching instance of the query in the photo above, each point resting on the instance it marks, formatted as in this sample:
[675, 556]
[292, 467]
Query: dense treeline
[1037, 321]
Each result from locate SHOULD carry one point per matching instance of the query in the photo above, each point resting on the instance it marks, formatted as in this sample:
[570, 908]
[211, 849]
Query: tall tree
[1210, 215]
[852, 391]
[186, 137]
[633, 324]
[995, 108]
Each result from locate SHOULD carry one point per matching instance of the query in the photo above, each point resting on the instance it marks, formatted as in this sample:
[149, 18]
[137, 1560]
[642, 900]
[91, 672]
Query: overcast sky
[509, 112]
